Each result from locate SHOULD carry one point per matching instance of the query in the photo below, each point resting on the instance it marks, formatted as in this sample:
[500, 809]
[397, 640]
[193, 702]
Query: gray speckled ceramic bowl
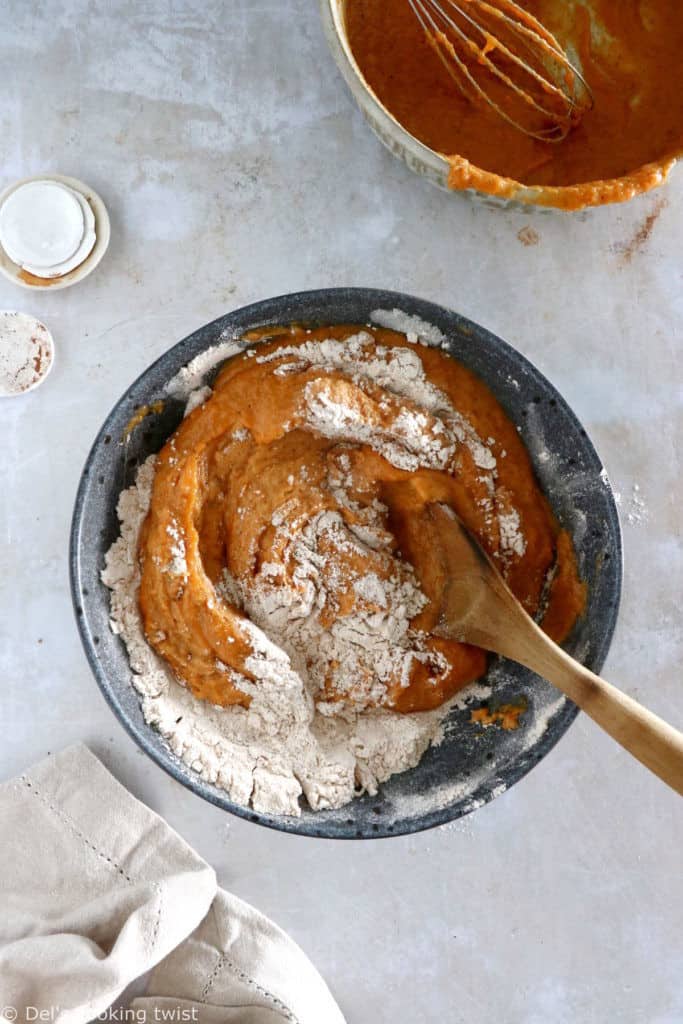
[471, 765]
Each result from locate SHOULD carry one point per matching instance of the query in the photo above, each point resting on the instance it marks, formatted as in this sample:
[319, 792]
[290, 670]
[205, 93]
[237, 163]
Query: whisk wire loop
[561, 94]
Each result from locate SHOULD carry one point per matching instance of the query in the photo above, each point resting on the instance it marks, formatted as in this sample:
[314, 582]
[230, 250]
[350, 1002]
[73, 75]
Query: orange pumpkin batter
[630, 53]
[290, 454]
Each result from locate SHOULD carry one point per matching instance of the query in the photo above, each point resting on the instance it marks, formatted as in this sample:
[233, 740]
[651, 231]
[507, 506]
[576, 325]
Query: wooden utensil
[479, 608]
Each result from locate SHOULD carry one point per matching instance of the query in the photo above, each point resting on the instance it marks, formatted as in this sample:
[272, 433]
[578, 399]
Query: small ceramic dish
[27, 353]
[17, 275]
[471, 765]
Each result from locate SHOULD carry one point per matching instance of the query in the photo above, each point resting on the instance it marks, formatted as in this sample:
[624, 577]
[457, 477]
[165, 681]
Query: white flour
[285, 743]
[267, 755]
[192, 377]
[414, 327]
[637, 511]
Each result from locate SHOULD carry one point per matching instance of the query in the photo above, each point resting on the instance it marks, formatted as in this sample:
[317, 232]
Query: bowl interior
[470, 766]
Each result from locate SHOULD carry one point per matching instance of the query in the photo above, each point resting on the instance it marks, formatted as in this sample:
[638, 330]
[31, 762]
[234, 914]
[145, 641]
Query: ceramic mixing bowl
[470, 766]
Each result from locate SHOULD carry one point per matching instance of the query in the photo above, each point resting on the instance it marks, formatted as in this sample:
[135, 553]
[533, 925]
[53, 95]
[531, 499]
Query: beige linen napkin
[96, 889]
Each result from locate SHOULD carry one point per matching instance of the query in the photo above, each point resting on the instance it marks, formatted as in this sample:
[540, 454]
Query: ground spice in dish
[26, 352]
[630, 54]
[33, 279]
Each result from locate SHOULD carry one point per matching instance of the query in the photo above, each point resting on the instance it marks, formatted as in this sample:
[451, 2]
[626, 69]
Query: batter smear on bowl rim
[274, 564]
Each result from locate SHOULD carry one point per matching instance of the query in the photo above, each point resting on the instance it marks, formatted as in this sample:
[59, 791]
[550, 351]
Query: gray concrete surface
[235, 167]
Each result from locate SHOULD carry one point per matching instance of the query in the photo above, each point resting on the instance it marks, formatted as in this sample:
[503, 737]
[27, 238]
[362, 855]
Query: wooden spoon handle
[477, 606]
[655, 743]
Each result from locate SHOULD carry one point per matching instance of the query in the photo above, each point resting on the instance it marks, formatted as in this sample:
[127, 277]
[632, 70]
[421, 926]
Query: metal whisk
[500, 54]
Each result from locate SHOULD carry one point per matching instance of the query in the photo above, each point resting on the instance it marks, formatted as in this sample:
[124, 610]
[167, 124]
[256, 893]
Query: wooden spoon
[478, 607]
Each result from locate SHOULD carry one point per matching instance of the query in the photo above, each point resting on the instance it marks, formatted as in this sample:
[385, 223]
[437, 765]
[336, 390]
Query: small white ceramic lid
[41, 224]
[27, 353]
[82, 252]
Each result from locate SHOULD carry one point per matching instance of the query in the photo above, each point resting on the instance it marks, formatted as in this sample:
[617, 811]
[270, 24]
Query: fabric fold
[96, 890]
[239, 958]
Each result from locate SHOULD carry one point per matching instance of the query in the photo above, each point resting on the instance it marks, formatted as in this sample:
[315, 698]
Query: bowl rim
[437, 167]
[153, 744]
